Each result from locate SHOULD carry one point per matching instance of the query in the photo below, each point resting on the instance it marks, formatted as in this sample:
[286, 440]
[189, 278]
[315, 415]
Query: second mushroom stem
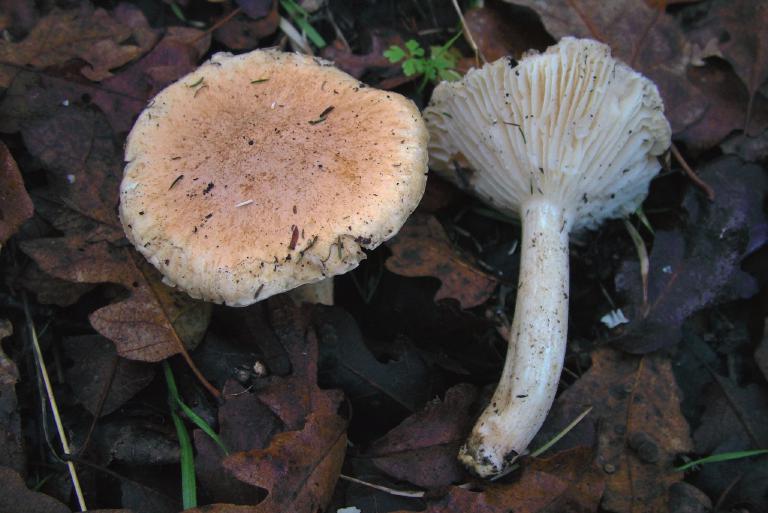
[537, 343]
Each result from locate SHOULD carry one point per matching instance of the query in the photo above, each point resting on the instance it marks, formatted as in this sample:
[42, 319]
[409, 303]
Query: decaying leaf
[15, 205]
[299, 467]
[728, 104]
[500, 30]
[644, 37]
[346, 363]
[92, 35]
[636, 423]
[698, 265]
[740, 28]
[565, 483]
[11, 437]
[243, 32]
[17, 498]
[97, 368]
[358, 64]
[422, 249]
[423, 448]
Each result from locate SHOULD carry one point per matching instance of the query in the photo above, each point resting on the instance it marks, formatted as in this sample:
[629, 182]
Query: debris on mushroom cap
[260, 172]
[573, 125]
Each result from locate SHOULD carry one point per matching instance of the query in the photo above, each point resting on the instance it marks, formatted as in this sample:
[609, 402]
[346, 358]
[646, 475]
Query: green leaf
[411, 67]
[394, 54]
[414, 48]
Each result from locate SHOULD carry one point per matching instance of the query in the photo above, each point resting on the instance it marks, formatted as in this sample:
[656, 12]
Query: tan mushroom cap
[572, 125]
[260, 172]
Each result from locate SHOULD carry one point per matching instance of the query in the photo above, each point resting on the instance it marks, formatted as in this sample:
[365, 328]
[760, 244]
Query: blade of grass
[299, 16]
[726, 456]
[188, 483]
[642, 255]
[203, 425]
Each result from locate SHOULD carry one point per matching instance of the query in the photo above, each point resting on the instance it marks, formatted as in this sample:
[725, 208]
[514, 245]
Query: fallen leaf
[11, 437]
[299, 467]
[736, 416]
[698, 265]
[92, 35]
[255, 8]
[358, 64]
[501, 30]
[728, 100]
[17, 498]
[576, 467]
[740, 28]
[423, 448]
[15, 205]
[346, 363]
[17, 16]
[636, 424]
[422, 248]
[644, 37]
[134, 441]
[97, 367]
[242, 32]
[245, 423]
[563, 483]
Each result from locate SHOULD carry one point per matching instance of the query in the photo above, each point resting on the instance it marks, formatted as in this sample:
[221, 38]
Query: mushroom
[264, 171]
[562, 141]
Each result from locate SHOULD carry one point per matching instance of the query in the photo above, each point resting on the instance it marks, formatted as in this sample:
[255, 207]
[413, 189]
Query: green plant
[438, 66]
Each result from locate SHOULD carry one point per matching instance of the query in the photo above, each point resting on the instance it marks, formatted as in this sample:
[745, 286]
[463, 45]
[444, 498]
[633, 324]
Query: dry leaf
[299, 467]
[636, 423]
[423, 448]
[92, 35]
[96, 366]
[15, 205]
[698, 265]
[422, 249]
[11, 436]
[568, 482]
[741, 29]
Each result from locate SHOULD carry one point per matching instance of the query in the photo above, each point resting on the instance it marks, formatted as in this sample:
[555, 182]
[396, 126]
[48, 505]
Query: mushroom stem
[536, 345]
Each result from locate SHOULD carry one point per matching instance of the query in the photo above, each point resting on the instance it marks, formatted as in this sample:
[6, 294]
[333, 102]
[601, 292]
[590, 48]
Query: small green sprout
[438, 66]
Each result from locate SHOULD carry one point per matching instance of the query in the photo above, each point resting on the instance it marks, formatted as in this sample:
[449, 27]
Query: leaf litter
[74, 79]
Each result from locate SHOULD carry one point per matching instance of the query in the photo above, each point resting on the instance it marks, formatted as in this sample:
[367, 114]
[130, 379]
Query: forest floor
[362, 406]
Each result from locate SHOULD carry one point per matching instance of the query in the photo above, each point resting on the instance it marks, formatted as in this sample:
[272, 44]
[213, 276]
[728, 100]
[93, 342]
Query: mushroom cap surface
[260, 172]
[572, 125]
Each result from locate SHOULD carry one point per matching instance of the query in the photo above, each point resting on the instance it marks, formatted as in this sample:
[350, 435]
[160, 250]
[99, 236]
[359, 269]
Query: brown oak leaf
[568, 482]
[422, 248]
[92, 35]
[15, 205]
[299, 467]
[636, 423]
[422, 449]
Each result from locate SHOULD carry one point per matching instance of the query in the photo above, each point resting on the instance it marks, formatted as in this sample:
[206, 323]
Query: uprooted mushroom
[260, 172]
[562, 141]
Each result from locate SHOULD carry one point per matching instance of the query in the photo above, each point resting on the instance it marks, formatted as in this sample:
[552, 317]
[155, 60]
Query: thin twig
[468, 35]
[692, 175]
[54, 407]
[391, 491]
